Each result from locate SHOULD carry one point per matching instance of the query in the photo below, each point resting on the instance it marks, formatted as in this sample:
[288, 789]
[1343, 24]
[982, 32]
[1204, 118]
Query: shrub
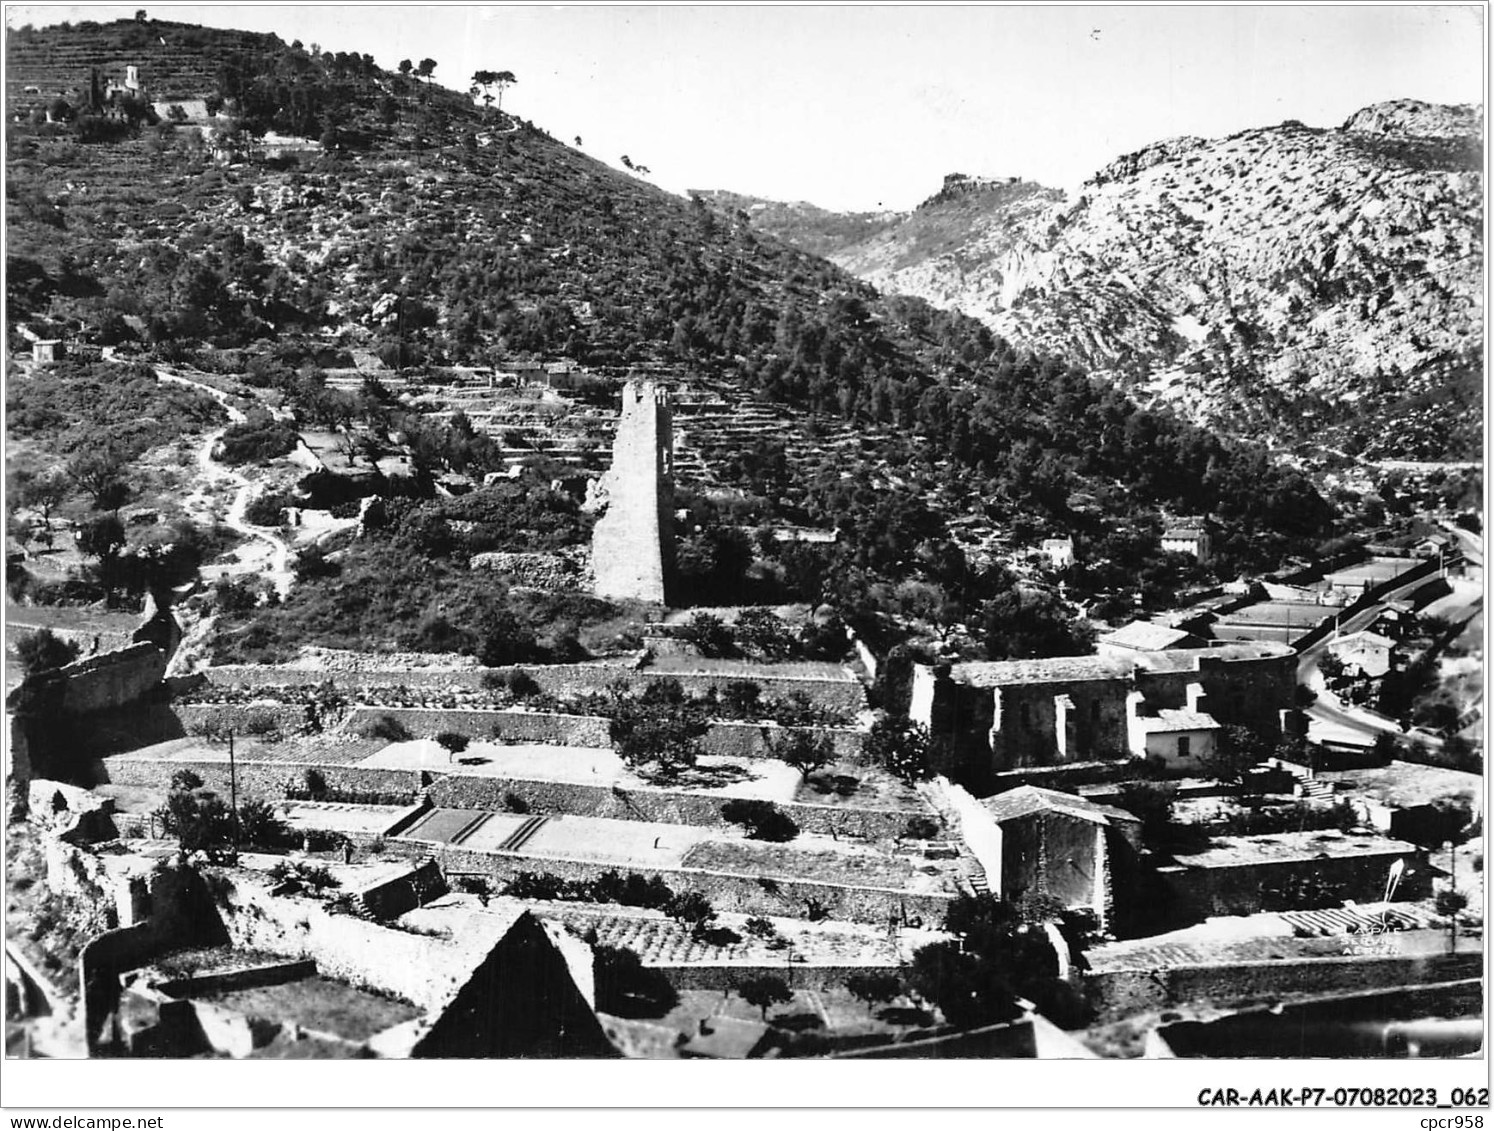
[762, 819]
[1449, 902]
[806, 751]
[921, 828]
[259, 723]
[624, 986]
[260, 824]
[873, 988]
[257, 439]
[388, 728]
[902, 747]
[513, 803]
[741, 699]
[316, 782]
[43, 651]
[765, 991]
[692, 910]
[761, 928]
[710, 634]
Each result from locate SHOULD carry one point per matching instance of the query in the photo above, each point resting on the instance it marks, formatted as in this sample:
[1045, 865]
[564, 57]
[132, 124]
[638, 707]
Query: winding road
[1334, 721]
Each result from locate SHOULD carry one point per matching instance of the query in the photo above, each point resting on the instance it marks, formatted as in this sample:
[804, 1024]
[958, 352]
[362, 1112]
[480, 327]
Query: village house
[1012, 714]
[1365, 653]
[1060, 846]
[1191, 539]
[1059, 551]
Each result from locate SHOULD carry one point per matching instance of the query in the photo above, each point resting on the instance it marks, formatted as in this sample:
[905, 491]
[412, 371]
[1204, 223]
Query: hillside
[414, 229]
[1286, 283]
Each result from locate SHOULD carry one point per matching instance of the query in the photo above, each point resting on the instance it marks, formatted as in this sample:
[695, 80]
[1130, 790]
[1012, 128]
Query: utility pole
[1452, 879]
[233, 795]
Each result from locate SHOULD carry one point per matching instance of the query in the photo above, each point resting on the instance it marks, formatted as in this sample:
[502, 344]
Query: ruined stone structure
[1026, 713]
[632, 547]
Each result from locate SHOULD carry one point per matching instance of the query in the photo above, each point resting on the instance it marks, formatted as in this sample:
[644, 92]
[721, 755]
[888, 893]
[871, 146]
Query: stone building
[1059, 551]
[1286, 871]
[633, 542]
[1366, 653]
[1191, 539]
[1060, 846]
[1016, 714]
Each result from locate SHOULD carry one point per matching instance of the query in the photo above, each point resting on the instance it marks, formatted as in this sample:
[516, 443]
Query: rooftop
[1364, 640]
[1242, 851]
[1064, 669]
[1028, 799]
[1058, 669]
[1169, 721]
[1404, 784]
[1143, 635]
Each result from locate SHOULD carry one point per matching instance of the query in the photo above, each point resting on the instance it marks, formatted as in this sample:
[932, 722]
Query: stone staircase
[1309, 787]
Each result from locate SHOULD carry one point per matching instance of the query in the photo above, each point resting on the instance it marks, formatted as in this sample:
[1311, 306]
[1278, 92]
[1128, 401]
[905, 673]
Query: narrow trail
[269, 554]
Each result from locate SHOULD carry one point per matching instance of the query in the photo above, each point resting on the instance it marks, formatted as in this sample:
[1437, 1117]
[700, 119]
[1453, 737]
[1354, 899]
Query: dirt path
[267, 553]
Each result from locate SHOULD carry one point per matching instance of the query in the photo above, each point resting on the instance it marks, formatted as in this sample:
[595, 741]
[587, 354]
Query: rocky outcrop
[1276, 282]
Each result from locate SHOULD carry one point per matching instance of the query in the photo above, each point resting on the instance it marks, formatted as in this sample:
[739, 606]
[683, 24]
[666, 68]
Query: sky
[861, 108]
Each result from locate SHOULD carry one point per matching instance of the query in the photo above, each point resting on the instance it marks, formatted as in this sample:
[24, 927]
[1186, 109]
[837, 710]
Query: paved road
[1332, 720]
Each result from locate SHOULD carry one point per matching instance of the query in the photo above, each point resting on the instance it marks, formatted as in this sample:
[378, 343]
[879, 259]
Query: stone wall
[271, 780]
[415, 967]
[798, 975]
[1119, 993]
[731, 893]
[1045, 724]
[563, 681]
[392, 896]
[267, 780]
[847, 697]
[97, 683]
[241, 718]
[509, 726]
[89, 643]
[739, 740]
[551, 572]
[455, 791]
[1277, 885]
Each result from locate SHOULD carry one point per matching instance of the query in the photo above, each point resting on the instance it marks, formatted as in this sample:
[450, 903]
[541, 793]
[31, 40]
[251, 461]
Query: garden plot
[339, 817]
[537, 761]
[630, 844]
[713, 775]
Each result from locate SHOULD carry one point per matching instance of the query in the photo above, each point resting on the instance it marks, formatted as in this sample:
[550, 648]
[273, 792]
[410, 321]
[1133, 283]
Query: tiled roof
[1028, 799]
[1145, 636]
[1169, 721]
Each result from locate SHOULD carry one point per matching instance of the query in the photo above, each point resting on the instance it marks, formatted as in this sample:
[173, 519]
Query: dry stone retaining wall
[1119, 993]
[846, 696]
[727, 892]
[740, 740]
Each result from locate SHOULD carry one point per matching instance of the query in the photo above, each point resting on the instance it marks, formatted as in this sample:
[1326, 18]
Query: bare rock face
[1252, 281]
[632, 547]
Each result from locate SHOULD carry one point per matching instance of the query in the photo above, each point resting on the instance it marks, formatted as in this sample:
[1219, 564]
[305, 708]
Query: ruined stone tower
[632, 546]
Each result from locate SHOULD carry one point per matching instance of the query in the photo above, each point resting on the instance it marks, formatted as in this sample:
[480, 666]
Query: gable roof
[1147, 636]
[1026, 800]
[1169, 721]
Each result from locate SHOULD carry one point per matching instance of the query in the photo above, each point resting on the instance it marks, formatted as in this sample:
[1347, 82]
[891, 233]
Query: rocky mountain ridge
[1283, 281]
